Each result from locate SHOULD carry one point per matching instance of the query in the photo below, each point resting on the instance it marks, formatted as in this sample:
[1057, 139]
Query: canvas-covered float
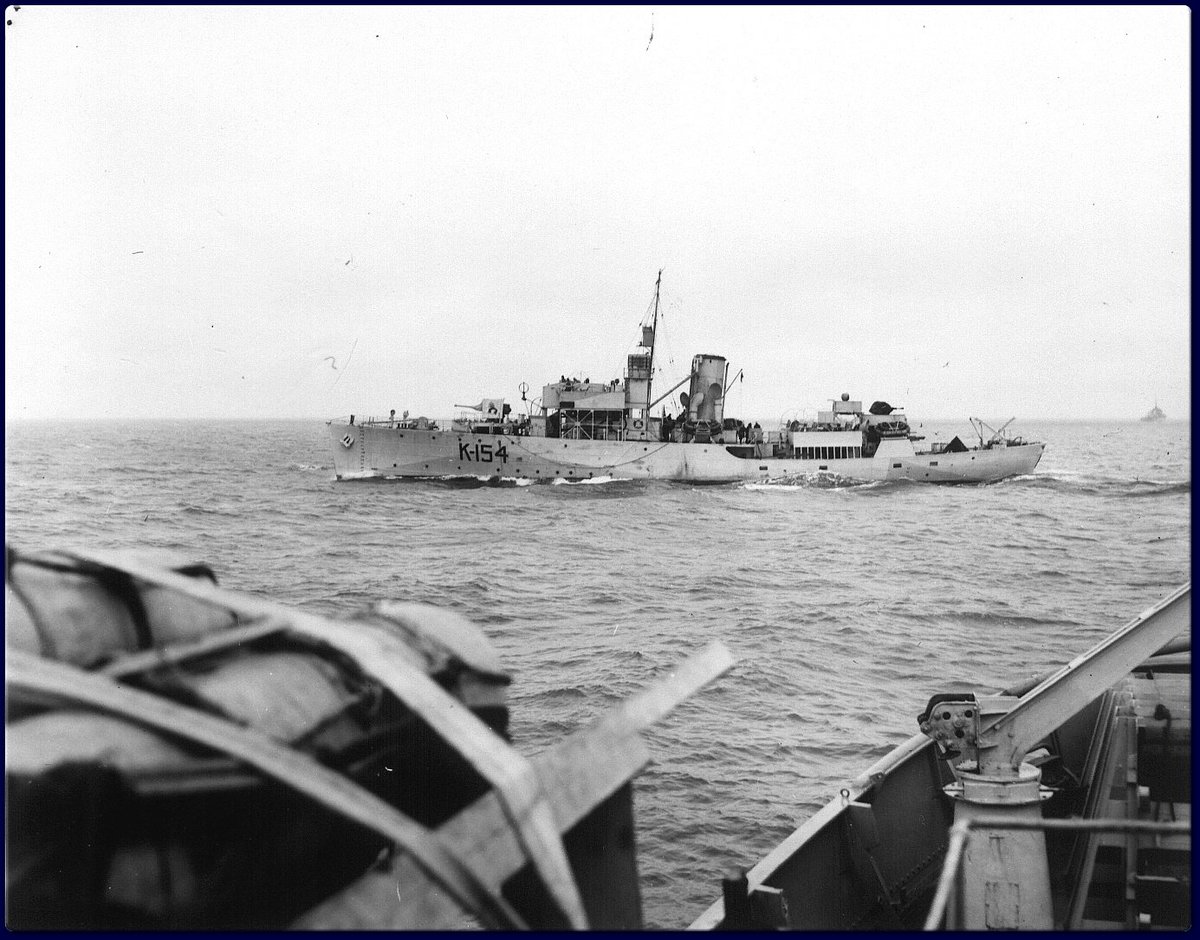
[182, 756]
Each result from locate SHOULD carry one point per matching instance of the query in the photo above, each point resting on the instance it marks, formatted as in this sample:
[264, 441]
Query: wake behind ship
[582, 430]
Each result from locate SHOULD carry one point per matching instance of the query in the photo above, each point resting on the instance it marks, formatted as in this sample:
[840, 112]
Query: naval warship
[580, 429]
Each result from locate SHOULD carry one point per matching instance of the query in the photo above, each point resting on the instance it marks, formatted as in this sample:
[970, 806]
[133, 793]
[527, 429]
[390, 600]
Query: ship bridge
[584, 410]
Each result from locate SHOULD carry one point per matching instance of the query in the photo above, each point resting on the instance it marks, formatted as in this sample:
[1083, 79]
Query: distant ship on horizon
[1154, 414]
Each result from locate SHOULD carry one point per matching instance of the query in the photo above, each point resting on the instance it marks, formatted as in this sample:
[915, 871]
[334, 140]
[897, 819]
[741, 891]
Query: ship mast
[653, 339]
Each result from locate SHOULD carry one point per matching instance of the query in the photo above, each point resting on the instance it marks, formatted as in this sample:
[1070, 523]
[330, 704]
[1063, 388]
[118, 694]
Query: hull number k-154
[484, 453]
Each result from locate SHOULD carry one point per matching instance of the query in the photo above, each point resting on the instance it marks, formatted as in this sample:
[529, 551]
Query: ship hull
[380, 452]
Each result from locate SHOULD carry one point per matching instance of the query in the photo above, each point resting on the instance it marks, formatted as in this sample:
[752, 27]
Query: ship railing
[464, 423]
[948, 907]
[421, 422]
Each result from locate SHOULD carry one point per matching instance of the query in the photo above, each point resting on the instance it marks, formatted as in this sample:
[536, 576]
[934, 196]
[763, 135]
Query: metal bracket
[964, 726]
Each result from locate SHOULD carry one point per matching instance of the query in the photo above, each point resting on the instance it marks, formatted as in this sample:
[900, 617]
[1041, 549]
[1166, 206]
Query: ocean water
[846, 606]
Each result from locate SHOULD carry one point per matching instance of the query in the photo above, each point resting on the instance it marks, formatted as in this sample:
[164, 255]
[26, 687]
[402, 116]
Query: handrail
[433, 424]
[960, 834]
[1181, 644]
[436, 424]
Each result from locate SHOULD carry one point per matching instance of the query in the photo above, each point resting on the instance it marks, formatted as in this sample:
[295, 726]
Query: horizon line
[8, 419]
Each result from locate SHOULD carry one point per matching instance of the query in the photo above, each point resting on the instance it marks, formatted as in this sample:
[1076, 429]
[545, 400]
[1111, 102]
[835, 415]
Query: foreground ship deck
[579, 429]
[1061, 805]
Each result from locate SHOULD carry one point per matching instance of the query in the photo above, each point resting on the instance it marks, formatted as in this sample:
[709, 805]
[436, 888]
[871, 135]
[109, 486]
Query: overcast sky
[312, 211]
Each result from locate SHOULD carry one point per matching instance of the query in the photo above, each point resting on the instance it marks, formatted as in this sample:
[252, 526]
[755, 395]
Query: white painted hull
[377, 452]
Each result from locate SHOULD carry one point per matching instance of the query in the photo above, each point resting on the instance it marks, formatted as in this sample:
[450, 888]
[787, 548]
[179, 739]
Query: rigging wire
[669, 369]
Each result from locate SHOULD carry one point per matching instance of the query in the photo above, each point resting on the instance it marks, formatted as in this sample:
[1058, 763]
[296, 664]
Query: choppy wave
[466, 481]
[1118, 485]
[590, 481]
[207, 511]
[1143, 488]
[817, 479]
